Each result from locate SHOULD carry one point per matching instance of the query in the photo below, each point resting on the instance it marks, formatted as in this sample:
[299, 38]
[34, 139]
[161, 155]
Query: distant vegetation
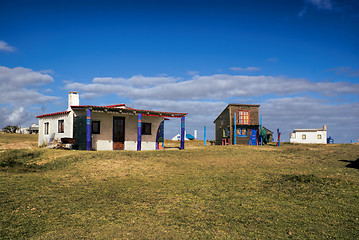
[10, 129]
[231, 192]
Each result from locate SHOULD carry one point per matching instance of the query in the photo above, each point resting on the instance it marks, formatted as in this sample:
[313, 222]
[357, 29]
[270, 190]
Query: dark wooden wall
[225, 120]
[222, 122]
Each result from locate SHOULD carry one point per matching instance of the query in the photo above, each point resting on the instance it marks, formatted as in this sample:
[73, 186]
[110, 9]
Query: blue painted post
[139, 131]
[205, 135]
[163, 143]
[182, 132]
[278, 143]
[88, 129]
[260, 132]
[235, 130]
[279, 140]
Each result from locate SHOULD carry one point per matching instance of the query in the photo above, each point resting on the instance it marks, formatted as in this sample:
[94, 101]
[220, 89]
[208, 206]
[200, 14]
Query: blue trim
[182, 132]
[139, 131]
[205, 135]
[235, 129]
[241, 131]
[88, 130]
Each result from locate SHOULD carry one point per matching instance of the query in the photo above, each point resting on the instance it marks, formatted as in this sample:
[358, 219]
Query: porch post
[139, 131]
[182, 132]
[205, 135]
[260, 131]
[235, 130]
[88, 130]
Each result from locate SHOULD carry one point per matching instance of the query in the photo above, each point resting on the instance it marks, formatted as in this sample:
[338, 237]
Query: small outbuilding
[114, 127]
[309, 136]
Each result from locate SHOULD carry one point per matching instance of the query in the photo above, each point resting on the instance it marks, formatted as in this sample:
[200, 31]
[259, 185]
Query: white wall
[310, 137]
[104, 140]
[53, 128]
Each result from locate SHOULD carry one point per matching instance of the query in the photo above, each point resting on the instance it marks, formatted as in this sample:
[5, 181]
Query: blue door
[253, 139]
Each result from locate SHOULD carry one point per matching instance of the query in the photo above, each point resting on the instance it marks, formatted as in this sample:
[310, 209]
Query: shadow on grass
[352, 164]
[172, 148]
[26, 160]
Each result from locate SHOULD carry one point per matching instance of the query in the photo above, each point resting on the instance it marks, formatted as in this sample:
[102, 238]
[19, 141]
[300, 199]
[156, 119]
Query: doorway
[118, 133]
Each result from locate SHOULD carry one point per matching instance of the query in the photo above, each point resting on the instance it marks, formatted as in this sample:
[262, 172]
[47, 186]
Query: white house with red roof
[113, 127]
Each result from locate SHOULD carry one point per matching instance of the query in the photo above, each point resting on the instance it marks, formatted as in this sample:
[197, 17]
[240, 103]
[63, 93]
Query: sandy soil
[18, 145]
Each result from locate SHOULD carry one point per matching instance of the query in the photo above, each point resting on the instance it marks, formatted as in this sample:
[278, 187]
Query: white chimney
[74, 100]
[195, 134]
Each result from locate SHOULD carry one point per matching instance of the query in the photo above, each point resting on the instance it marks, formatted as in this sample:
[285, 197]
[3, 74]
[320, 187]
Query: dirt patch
[19, 145]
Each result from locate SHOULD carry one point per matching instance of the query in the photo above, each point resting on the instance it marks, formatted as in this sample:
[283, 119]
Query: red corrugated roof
[53, 114]
[110, 106]
[144, 112]
[147, 112]
[116, 105]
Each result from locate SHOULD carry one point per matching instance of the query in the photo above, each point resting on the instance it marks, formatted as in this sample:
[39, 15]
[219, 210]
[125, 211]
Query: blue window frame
[241, 132]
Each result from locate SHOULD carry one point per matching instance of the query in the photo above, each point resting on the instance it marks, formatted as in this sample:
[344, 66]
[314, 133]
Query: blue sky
[298, 59]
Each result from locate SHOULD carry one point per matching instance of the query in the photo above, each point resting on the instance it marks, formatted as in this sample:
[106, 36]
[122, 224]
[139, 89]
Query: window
[241, 132]
[319, 136]
[95, 127]
[243, 117]
[146, 128]
[304, 136]
[225, 132]
[46, 129]
[60, 126]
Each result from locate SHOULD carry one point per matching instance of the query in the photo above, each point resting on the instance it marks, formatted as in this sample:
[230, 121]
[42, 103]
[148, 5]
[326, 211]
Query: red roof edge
[53, 114]
[150, 112]
[116, 105]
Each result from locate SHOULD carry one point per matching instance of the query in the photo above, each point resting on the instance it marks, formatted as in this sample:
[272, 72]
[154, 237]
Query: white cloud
[247, 69]
[321, 4]
[200, 113]
[307, 112]
[19, 76]
[137, 80]
[16, 115]
[4, 46]
[18, 86]
[218, 87]
[283, 113]
[204, 97]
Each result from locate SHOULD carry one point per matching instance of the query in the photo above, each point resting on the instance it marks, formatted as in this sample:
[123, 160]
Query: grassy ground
[231, 192]
[13, 140]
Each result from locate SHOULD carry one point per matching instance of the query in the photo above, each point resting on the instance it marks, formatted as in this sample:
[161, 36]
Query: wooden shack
[242, 119]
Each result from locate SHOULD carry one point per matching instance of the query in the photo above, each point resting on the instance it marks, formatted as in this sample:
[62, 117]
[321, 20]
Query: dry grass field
[212, 192]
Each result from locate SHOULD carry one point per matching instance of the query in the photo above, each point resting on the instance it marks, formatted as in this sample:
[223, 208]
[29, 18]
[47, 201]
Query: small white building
[114, 127]
[22, 130]
[34, 129]
[186, 138]
[309, 136]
